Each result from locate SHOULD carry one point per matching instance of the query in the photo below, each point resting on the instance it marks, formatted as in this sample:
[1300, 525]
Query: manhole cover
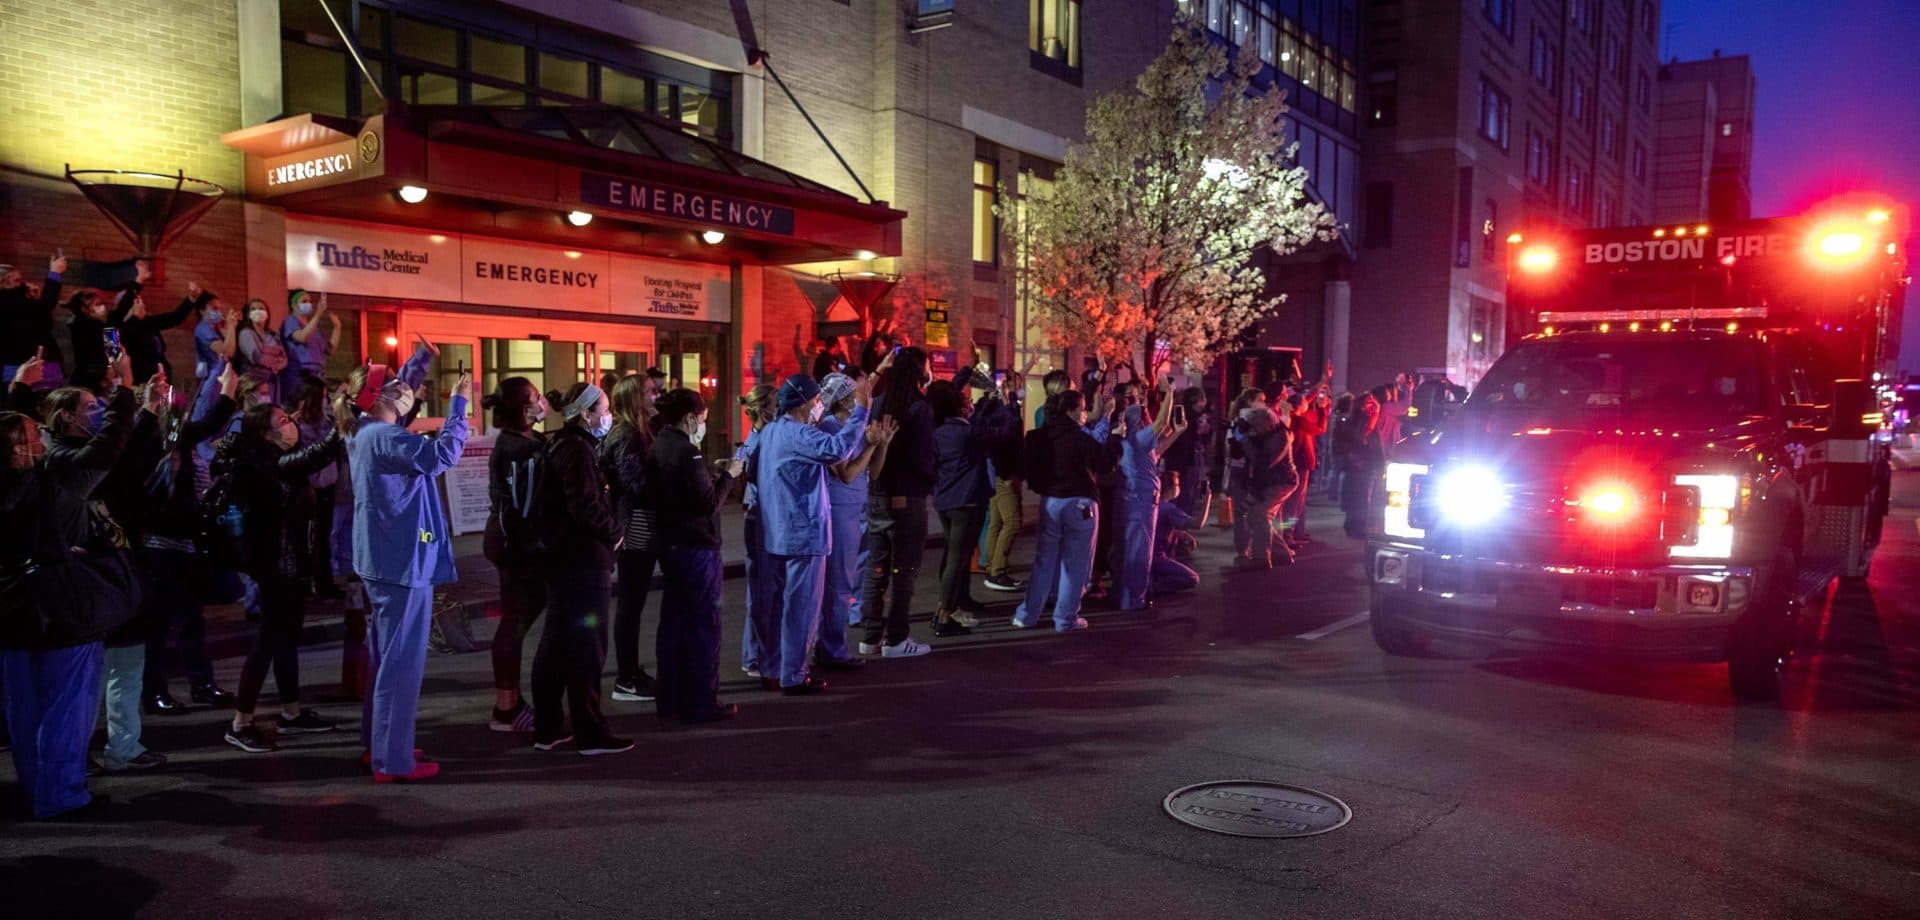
[1252, 808]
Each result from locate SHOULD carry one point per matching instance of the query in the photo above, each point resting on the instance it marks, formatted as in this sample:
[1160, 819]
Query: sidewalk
[229, 635]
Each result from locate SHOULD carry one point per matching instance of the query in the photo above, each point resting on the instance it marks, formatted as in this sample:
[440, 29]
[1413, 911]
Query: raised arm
[424, 456]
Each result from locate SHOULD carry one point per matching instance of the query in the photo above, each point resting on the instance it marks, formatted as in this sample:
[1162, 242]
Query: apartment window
[986, 224]
[1543, 54]
[1266, 35]
[1609, 135]
[1610, 53]
[1377, 230]
[1639, 162]
[1383, 92]
[1580, 13]
[1217, 16]
[1540, 160]
[1053, 31]
[1643, 92]
[1500, 13]
[1489, 229]
[1574, 190]
[1577, 101]
[1496, 111]
[1647, 19]
[1243, 23]
[1604, 210]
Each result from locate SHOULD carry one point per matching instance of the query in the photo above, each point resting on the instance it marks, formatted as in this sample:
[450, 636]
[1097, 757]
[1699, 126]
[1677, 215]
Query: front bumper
[1671, 612]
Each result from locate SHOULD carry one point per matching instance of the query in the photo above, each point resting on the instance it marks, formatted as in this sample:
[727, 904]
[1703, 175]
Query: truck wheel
[1393, 635]
[1762, 641]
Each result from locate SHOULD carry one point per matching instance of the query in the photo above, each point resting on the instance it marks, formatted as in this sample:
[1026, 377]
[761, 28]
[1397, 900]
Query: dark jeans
[523, 595]
[896, 540]
[686, 647]
[573, 649]
[283, 612]
[173, 590]
[962, 527]
[1356, 499]
[320, 567]
[636, 579]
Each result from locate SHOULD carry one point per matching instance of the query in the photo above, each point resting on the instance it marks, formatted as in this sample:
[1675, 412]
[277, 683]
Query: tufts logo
[360, 258]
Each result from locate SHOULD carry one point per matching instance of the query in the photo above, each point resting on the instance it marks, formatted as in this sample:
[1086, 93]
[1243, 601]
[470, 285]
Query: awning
[518, 171]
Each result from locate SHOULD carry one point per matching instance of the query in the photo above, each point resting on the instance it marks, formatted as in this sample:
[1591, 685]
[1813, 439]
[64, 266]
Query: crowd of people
[125, 510]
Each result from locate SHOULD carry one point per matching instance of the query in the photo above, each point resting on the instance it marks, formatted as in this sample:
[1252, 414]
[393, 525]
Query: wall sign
[356, 158]
[642, 196]
[382, 261]
[936, 324]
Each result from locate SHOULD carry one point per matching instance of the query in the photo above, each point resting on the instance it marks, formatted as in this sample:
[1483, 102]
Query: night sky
[1837, 81]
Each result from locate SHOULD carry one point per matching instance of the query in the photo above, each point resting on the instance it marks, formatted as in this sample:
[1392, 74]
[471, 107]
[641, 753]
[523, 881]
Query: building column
[1338, 312]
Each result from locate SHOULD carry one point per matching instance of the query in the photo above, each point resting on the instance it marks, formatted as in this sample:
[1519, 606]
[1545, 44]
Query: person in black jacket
[897, 511]
[685, 494]
[140, 331]
[268, 477]
[623, 457]
[52, 662]
[963, 437]
[1267, 446]
[512, 539]
[581, 536]
[1065, 460]
[26, 315]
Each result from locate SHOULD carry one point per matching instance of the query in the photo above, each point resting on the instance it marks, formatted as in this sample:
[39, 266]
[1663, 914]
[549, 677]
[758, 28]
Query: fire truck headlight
[1399, 521]
[1719, 500]
[1538, 259]
[1470, 496]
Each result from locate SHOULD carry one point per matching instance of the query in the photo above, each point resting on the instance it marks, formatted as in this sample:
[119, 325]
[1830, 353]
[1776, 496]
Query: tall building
[560, 188]
[1704, 167]
[1486, 118]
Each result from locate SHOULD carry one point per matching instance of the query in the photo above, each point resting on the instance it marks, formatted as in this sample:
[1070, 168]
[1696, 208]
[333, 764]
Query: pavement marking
[1335, 627]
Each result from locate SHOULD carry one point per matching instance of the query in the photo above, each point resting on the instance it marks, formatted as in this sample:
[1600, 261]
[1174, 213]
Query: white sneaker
[1017, 624]
[870, 648]
[906, 649]
[1079, 623]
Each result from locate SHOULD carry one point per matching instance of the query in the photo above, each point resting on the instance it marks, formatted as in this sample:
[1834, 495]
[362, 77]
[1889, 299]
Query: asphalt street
[1021, 774]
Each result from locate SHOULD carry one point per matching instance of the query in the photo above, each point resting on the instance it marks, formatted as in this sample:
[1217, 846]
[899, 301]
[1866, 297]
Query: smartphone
[1179, 415]
[740, 451]
[999, 378]
[111, 339]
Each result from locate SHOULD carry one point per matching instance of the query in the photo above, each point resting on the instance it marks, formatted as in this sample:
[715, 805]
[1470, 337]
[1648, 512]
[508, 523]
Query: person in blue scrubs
[791, 477]
[401, 549]
[1139, 498]
[308, 345]
[760, 635]
[847, 506]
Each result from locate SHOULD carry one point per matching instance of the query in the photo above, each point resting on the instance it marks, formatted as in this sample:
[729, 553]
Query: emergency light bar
[1673, 315]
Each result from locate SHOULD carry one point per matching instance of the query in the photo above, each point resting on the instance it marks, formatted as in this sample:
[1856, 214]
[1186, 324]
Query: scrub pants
[962, 526]
[397, 627]
[126, 667]
[686, 647]
[51, 703]
[1261, 508]
[841, 606]
[1133, 555]
[1170, 575]
[896, 542]
[760, 635]
[523, 596]
[1004, 526]
[1064, 556]
[800, 583]
[636, 580]
[174, 589]
[573, 651]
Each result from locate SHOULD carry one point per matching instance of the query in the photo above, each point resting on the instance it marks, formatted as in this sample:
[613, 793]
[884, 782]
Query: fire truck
[1676, 455]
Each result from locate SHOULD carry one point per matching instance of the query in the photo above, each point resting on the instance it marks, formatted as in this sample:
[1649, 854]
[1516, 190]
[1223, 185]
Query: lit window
[1726, 129]
[1639, 162]
[1500, 13]
[1543, 54]
[1495, 113]
[1643, 92]
[1053, 30]
[986, 226]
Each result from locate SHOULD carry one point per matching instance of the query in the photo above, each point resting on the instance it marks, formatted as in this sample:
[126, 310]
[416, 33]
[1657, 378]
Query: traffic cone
[1226, 512]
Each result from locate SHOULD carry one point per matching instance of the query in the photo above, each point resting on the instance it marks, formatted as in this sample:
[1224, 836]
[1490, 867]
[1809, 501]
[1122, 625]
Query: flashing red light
[393, 341]
[1729, 260]
[1538, 259]
[1607, 503]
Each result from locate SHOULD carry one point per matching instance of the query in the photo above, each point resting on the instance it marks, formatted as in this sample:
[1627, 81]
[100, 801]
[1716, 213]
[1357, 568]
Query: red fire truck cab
[1675, 455]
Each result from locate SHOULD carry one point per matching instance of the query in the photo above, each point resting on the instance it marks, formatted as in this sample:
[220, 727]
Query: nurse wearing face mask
[259, 348]
[685, 493]
[308, 346]
[400, 550]
[581, 533]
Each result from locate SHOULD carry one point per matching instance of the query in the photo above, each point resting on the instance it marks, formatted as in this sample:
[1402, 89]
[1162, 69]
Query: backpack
[223, 529]
[519, 516]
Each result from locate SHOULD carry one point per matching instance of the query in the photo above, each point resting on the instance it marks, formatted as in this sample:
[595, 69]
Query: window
[986, 224]
[1604, 210]
[1542, 60]
[1377, 229]
[1243, 23]
[1726, 129]
[1500, 13]
[1577, 101]
[1575, 189]
[1580, 13]
[1609, 135]
[1539, 160]
[1495, 112]
[1217, 16]
[1647, 19]
[1384, 93]
[1639, 163]
[1489, 231]
[561, 75]
[1053, 31]
[1643, 92]
[315, 79]
[1611, 53]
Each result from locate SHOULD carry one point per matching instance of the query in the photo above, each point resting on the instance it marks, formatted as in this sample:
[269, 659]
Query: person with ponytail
[685, 494]
[760, 637]
[896, 536]
[623, 457]
[512, 539]
[581, 537]
[401, 548]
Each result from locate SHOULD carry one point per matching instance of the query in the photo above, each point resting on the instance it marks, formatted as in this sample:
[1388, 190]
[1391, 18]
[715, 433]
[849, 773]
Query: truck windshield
[1654, 378]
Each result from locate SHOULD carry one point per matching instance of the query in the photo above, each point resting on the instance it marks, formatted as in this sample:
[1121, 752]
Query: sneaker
[965, 618]
[251, 739]
[518, 719]
[871, 648]
[950, 628]
[422, 771]
[813, 687]
[307, 722]
[905, 648]
[1004, 583]
[366, 759]
[146, 761]
[635, 690]
[161, 703]
[1079, 623]
[606, 746]
[1014, 621]
[555, 743]
[751, 672]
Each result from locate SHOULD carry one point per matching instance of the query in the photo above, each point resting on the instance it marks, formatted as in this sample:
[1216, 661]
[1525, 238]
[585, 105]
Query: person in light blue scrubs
[401, 549]
[1139, 496]
[791, 473]
[760, 634]
[847, 506]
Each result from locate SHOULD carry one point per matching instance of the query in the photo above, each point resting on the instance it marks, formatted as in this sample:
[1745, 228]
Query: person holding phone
[26, 315]
[686, 493]
[307, 347]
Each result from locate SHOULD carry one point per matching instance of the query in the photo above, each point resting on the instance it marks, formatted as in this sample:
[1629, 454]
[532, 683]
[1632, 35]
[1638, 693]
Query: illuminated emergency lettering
[1662, 250]
[314, 168]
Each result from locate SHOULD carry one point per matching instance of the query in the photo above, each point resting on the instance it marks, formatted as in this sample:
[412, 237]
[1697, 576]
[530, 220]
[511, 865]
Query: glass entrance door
[698, 362]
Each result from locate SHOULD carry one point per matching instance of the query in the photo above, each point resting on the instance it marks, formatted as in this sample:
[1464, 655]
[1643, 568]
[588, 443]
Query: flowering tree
[1149, 234]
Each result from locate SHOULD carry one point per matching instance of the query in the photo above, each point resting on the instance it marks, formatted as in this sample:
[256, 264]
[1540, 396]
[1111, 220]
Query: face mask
[97, 418]
[403, 403]
[289, 434]
[700, 433]
[818, 412]
[601, 427]
[258, 317]
[305, 307]
[537, 414]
